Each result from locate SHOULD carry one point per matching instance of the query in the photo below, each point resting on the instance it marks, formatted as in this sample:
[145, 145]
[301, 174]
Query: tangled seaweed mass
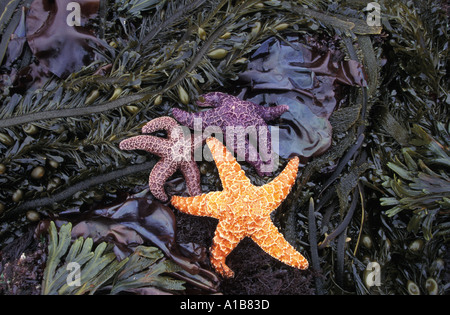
[355, 116]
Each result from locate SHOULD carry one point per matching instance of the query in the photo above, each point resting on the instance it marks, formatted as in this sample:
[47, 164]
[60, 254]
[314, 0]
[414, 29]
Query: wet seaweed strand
[315, 262]
[73, 112]
[345, 222]
[83, 185]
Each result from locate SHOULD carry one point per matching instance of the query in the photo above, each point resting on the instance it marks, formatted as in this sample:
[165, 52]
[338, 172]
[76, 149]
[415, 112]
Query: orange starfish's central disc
[243, 210]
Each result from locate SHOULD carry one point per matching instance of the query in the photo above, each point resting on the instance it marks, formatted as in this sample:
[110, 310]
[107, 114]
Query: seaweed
[307, 77]
[76, 269]
[94, 267]
[133, 8]
[420, 183]
[146, 269]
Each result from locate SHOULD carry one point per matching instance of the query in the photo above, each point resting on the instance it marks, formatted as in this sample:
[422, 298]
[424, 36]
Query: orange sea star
[243, 210]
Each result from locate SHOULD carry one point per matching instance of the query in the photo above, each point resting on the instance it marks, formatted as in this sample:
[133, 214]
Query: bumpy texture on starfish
[236, 118]
[243, 210]
[176, 152]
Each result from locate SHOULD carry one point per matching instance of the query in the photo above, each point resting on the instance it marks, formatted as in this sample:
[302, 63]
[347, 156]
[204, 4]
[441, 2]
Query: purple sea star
[176, 152]
[237, 118]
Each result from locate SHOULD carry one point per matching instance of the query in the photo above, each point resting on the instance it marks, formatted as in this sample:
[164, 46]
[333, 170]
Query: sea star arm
[197, 205]
[187, 119]
[154, 145]
[230, 171]
[279, 188]
[191, 174]
[270, 113]
[212, 99]
[226, 238]
[262, 158]
[246, 150]
[266, 154]
[165, 123]
[158, 176]
[272, 242]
